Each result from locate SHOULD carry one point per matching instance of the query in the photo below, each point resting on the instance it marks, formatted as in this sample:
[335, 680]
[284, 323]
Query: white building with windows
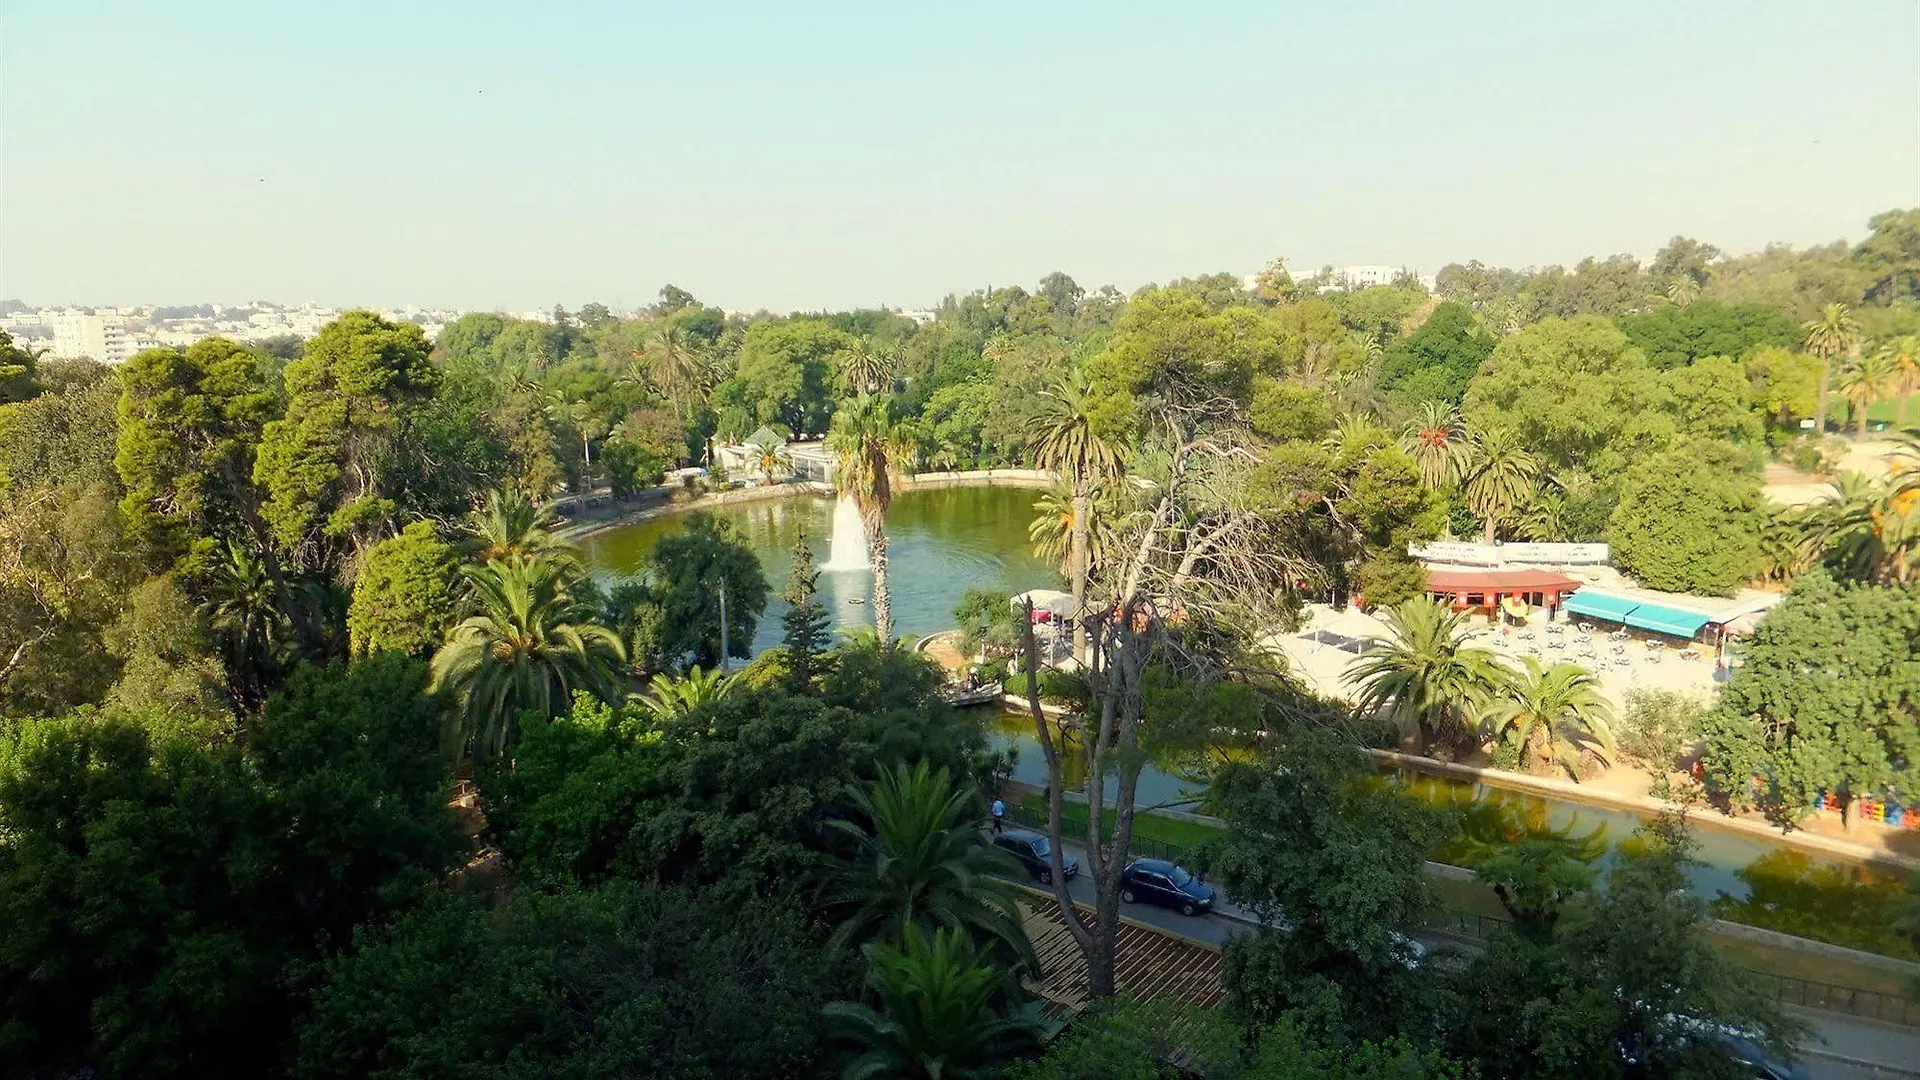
[99, 337]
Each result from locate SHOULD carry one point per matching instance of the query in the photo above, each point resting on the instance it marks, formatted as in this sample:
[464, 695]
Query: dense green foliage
[225, 841]
[1825, 701]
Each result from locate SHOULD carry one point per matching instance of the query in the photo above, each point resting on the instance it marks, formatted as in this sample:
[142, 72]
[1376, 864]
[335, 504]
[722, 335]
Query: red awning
[1498, 581]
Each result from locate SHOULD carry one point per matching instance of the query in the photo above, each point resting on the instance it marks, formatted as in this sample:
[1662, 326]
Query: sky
[486, 155]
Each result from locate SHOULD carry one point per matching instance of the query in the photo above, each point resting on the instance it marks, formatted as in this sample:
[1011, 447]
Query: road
[1881, 1051]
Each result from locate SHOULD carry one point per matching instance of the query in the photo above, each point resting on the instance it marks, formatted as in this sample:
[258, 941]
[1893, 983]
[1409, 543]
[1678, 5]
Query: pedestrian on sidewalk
[999, 811]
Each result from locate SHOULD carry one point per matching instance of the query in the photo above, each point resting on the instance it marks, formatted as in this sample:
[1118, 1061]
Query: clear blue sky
[481, 155]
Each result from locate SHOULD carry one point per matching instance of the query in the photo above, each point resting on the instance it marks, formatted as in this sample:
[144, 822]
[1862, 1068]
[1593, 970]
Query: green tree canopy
[1437, 361]
[337, 467]
[1824, 701]
[1686, 523]
[405, 597]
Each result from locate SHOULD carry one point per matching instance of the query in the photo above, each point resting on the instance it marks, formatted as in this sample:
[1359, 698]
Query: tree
[1901, 358]
[340, 462]
[1823, 701]
[1835, 333]
[16, 371]
[1557, 713]
[625, 980]
[1328, 887]
[675, 697]
[508, 526]
[1061, 292]
[166, 654]
[404, 597]
[1676, 335]
[938, 1016]
[630, 469]
[166, 901]
[1622, 986]
[532, 645]
[1890, 257]
[671, 364]
[1065, 442]
[188, 427]
[865, 370]
[1570, 389]
[1687, 524]
[1437, 361]
[1863, 381]
[1498, 477]
[1437, 440]
[919, 860]
[688, 573]
[804, 624]
[1536, 877]
[253, 616]
[1423, 677]
[784, 376]
[870, 450]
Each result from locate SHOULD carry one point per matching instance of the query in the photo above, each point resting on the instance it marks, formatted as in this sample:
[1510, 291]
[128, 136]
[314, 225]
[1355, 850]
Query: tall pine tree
[805, 621]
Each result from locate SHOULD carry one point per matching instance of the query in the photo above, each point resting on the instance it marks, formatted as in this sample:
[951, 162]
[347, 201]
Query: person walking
[999, 811]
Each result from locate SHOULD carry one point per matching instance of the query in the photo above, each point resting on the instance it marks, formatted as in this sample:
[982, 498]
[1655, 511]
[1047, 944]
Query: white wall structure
[99, 337]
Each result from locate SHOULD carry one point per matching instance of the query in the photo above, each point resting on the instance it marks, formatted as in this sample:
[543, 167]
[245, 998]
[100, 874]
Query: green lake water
[940, 544]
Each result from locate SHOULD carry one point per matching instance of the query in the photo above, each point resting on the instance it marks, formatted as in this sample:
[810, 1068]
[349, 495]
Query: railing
[1472, 926]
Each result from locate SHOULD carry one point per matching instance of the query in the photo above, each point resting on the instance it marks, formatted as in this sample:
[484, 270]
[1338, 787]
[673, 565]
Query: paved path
[1843, 1049]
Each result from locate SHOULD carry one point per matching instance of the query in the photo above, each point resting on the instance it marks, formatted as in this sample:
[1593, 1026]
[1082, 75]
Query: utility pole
[723, 623]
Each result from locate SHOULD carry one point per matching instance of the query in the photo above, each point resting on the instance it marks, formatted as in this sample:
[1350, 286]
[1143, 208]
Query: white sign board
[1455, 553]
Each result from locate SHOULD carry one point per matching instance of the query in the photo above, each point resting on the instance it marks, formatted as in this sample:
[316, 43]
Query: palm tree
[672, 363]
[1422, 677]
[1051, 531]
[247, 610]
[938, 1019]
[920, 861]
[532, 645]
[867, 371]
[511, 526]
[869, 449]
[1834, 333]
[670, 698]
[1902, 359]
[772, 459]
[1063, 439]
[1555, 712]
[1499, 477]
[1682, 290]
[1437, 441]
[1863, 381]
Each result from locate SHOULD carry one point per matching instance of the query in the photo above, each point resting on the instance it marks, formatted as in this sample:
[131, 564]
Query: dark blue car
[1157, 881]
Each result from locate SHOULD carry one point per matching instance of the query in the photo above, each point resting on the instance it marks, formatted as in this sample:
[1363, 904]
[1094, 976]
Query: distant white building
[100, 337]
[1343, 278]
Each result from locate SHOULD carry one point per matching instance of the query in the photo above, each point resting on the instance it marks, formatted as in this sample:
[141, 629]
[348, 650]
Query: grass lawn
[1162, 830]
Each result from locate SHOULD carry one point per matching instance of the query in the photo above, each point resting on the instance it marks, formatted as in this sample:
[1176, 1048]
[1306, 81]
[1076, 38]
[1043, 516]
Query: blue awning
[1601, 605]
[1666, 620]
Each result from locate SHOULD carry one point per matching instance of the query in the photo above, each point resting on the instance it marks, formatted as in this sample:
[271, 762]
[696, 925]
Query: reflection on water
[1795, 892]
[940, 544]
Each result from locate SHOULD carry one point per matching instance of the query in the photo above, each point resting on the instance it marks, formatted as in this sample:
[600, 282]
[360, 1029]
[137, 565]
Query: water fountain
[847, 549]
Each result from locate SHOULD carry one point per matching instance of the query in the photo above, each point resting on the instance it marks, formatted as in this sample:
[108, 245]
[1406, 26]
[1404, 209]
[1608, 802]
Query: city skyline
[833, 158]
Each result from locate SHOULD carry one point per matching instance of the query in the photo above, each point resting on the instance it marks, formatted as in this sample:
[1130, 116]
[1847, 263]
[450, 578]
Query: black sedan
[1157, 881]
[1035, 852]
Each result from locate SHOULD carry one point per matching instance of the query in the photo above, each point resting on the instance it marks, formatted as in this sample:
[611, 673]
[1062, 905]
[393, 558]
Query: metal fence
[1473, 926]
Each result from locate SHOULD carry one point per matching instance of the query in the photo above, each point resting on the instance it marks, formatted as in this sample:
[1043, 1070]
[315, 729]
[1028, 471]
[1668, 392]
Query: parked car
[1157, 881]
[1744, 1047]
[1035, 852]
